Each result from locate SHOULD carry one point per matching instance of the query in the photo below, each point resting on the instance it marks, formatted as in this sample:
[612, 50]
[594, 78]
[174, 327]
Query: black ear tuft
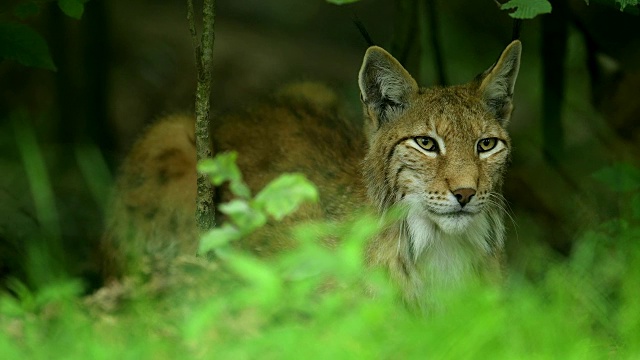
[498, 82]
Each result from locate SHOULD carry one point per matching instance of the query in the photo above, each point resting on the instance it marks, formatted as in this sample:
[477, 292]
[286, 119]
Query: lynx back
[439, 154]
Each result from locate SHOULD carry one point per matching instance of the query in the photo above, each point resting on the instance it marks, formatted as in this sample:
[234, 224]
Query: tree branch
[205, 210]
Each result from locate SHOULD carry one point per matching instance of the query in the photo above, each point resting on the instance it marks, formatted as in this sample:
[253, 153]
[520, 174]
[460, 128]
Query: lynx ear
[497, 83]
[385, 86]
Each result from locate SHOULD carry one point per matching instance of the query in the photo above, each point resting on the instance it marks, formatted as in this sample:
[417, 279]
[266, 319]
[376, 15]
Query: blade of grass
[37, 176]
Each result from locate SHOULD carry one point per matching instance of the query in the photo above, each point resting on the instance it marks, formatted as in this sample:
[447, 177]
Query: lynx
[438, 153]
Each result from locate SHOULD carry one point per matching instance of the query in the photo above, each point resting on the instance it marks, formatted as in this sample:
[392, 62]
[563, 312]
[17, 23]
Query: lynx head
[442, 152]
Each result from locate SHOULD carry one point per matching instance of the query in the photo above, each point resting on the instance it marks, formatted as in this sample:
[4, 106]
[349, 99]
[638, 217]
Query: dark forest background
[126, 63]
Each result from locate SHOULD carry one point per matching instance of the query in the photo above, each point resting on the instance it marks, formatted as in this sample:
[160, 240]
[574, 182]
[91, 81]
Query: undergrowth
[316, 302]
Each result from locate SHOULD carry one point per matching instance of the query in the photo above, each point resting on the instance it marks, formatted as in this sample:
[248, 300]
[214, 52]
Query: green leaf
[243, 216]
[624, 3]
[283, 195]
[259, 274]
[527, 9]
[26, 10]
[72, 8]
[223, 168]
[240, 189]
[218, 237]
[23, 44]
[619, 177]
[627, 6]
[342, 2]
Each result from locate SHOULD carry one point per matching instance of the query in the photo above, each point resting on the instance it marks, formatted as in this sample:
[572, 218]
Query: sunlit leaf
[627, 6]
[624, 3]
[527, 9]
[242, 215]
[238, 188]
[218, 237]
[283, 195]
[258, 273]
[23, 44]
[223, 168]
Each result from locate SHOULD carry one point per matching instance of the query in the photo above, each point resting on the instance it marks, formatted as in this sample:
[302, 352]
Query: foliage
[623, 5]
[279, 198]
[527, 9]
[21, 43]
[316, 302]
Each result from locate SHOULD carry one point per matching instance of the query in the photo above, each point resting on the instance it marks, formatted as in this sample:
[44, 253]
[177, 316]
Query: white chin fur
[453, 224]
[430, 230]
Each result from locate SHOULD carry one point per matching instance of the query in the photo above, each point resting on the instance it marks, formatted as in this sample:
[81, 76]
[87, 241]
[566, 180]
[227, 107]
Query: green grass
[242, 307]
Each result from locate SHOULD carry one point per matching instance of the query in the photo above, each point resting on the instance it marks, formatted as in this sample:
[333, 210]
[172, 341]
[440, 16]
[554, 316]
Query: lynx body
[439, 153]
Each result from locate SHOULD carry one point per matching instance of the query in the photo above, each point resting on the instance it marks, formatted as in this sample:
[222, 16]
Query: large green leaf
[23, 44]
[72, 8]
[527, 9]
[284, 194]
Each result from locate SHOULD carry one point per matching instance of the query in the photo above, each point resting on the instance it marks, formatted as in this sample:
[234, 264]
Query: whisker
[400, 235]
[502, 204]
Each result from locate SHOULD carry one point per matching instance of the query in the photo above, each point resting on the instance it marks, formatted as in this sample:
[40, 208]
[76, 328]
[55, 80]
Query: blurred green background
[573, 186]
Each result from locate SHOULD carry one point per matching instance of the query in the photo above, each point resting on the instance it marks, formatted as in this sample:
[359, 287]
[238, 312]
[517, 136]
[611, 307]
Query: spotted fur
[440, 241]
[452, 228]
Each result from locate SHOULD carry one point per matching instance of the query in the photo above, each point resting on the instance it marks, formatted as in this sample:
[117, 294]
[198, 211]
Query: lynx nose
[464, 195]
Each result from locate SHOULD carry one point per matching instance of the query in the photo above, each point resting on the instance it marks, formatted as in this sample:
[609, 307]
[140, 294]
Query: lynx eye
[487, 144]
[427, 143]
